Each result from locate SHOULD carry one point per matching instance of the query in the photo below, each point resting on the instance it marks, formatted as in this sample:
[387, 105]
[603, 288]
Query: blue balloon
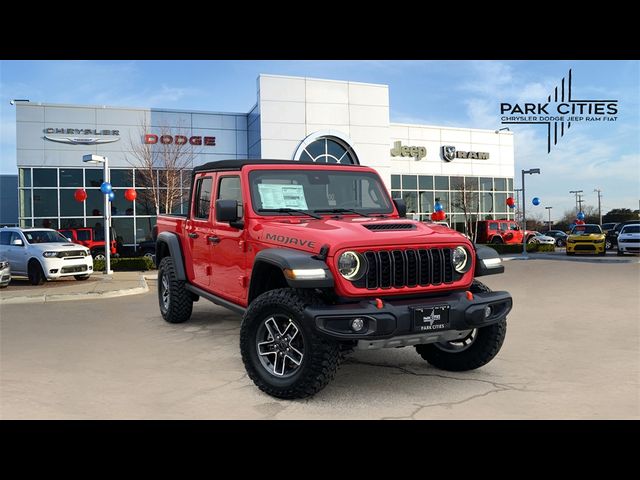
[437, 207]
[580, 216]
[105, 188]
[513, 205]
[112, 196]
[535, 201]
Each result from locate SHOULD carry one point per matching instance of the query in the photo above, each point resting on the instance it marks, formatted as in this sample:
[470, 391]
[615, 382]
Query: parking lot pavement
[96, 286]
[572, 351]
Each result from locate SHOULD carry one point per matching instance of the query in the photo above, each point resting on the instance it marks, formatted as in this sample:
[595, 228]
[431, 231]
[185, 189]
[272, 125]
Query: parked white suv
[44, 254]
[629, 239]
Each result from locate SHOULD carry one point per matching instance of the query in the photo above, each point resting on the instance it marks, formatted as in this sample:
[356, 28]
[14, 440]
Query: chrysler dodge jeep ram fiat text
[319, 260]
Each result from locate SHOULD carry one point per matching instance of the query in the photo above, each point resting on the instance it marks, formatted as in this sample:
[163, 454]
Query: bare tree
[469, 203]
[159, 160]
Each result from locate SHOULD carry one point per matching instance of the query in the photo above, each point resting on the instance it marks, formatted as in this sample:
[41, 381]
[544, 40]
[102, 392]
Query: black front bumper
[394, 318]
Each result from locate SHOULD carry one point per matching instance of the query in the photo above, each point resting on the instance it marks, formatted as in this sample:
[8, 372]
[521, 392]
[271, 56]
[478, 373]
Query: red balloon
[510, 201]
[130, 194]
[80, 195]
[434, 216]
[441, 215]
[579, 222]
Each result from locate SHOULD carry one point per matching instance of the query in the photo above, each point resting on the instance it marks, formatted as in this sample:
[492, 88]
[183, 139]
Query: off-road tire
[35, 273]
[99, 255]
[485, 347]
[180, 303]
[497, 240]
[81, 278]
[321, 357]
[619, 253]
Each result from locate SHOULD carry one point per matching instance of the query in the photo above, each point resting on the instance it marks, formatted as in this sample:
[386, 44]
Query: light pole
[599, 208]
[89, 158]
[517, 190]
[524, 202]
[576, 193]
[549, 210]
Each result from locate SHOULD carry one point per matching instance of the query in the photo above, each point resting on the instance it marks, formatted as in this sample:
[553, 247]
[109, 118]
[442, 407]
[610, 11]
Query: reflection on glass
[45, 203]
[395, 181]
[71, 177]
[45, 177]
[68, 204]
[409, 182]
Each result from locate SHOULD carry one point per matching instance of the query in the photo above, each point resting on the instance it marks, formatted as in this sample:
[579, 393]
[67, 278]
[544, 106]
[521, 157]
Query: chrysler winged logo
[448, 152]
[85, 136]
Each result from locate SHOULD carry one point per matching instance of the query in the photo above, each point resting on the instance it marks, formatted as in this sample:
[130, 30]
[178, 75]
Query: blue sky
[456, 93]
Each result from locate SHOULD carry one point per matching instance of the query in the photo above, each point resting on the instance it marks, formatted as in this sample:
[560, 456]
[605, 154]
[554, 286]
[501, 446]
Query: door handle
[213, 239]
[193, 235]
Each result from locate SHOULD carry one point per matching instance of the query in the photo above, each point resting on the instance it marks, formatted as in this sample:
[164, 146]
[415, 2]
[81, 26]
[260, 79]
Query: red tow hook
[379, 303]
[469, 295]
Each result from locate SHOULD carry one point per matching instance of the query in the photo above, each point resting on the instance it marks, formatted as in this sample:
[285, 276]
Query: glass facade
[46, 199]
[484, 198]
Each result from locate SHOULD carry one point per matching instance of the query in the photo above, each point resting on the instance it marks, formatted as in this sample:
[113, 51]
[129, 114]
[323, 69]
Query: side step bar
[215, 299]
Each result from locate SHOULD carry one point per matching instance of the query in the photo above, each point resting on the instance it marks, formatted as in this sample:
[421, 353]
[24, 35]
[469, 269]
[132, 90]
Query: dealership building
[304, 119]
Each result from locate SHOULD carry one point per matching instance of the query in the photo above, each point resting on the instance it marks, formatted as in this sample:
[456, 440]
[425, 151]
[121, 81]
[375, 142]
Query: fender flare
[487, 253]
[284, 258]
[175, 250]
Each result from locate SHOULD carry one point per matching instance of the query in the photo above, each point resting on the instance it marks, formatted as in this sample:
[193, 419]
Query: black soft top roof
[238, 164]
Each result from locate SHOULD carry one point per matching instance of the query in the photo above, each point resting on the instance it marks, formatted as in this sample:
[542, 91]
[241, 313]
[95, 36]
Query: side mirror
[227, 211]
[18, 242]
[401, 207]
[69, 239]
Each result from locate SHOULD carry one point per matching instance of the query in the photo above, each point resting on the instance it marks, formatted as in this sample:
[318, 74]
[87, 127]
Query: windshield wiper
[341, 210]
[290, 211]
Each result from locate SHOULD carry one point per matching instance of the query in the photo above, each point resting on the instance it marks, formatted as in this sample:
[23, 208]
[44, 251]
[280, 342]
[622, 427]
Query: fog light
[487, 311]
[53, 270]
[357, 324]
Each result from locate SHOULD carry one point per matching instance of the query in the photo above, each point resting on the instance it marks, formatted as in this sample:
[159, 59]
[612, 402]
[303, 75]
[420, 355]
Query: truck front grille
[406, 268]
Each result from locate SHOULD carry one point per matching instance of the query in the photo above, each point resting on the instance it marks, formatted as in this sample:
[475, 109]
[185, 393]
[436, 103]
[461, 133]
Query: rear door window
[504, 226]
[202, 204]
[84, 235]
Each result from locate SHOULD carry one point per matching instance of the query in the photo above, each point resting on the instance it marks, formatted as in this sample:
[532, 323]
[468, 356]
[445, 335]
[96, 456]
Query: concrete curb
[63, 297]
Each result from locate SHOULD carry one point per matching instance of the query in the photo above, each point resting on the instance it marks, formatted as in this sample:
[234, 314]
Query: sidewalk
[97, 286]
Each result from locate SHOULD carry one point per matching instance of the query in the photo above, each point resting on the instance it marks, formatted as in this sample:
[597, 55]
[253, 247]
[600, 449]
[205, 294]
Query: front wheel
[176, 303]
[99, 255]
[36, 275]
[476, 349]
[608, 245]
[560, 243]
[281, 352]
[81, 278]
[620, 252]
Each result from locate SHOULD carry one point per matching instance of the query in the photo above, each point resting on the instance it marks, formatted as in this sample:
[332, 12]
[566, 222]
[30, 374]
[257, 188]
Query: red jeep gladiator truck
[319, 260]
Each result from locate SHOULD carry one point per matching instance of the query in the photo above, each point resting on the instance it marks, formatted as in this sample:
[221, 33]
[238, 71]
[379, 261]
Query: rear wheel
[474, 350]
[36, 275]
[281, 352]
[560, 243]
[608, 245]
[496, 240]
[176, 302]
[98, 255]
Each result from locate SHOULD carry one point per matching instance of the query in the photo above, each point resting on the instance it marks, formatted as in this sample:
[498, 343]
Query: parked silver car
[542, 239]
[5, 272]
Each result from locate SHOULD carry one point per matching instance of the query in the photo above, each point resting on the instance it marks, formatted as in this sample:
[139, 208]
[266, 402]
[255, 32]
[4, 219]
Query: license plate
[428, 319]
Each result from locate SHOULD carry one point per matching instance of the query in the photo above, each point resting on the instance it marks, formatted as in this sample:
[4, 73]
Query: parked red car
[501, 231]
[91, 238]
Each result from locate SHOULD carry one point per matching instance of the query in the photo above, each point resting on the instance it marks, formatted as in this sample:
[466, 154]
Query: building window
[69, 207]
[71, 177]
[328, 150]
[25, 177]
[45, 203]
[45, 177]
[94, 177]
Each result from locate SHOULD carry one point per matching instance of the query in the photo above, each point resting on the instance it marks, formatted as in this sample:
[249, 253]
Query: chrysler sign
[81, 136]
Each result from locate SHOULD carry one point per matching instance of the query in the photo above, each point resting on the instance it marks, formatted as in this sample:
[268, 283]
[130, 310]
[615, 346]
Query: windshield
[317, 190]
[631, 229]
[44, 236]
[585, 229]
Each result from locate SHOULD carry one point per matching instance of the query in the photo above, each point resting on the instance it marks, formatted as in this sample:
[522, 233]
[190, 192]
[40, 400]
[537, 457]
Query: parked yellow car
[587, 238]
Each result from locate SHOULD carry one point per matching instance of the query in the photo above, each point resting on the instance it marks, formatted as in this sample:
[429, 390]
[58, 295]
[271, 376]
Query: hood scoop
[390, 226]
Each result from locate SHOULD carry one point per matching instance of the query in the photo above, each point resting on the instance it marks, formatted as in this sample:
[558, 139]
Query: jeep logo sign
[152, 139]
[400, 150]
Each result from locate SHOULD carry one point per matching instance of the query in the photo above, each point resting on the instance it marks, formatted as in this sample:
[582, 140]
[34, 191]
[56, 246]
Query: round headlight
[460, 260]
[351, 265]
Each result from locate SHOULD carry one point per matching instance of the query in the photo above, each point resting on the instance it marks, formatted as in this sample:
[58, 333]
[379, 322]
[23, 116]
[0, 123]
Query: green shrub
[125, 264]
[503, 249]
